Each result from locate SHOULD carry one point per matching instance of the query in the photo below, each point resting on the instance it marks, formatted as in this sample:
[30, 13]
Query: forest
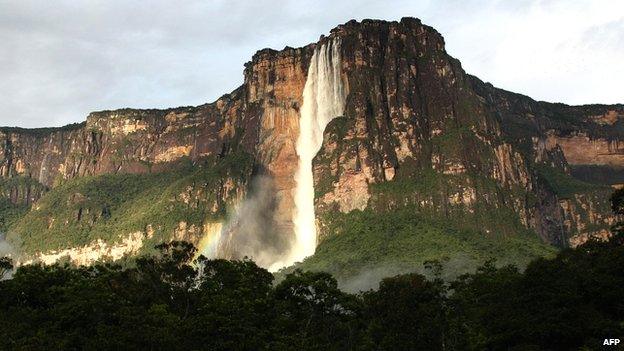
[167, 301]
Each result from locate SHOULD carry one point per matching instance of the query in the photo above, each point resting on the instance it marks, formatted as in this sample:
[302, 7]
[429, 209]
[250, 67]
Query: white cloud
[61, 60]
[555, 51]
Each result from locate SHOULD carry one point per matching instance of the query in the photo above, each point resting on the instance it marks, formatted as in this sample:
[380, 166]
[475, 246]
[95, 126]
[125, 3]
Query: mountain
[416, 160]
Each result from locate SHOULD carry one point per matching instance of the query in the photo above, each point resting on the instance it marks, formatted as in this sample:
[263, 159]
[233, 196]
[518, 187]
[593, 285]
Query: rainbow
[209, 243]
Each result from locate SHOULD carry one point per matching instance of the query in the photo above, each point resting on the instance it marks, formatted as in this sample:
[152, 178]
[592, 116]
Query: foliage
[490, 208]
[106, 207]
[564, 185]
[6, 266]
[403, 240]
[42, 131]
[598, 174]
[166, 303]
[617, 202]
[10, 213]
[564, 303]
[407, 312]
[163, 302]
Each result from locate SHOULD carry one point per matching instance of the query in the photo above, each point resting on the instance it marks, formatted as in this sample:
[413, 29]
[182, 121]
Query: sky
[60, 60]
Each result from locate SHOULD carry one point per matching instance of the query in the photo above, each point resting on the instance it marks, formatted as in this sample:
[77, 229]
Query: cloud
[61, 60]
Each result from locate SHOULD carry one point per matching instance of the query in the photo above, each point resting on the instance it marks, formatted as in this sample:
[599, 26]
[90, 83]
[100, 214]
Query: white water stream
[323, 100]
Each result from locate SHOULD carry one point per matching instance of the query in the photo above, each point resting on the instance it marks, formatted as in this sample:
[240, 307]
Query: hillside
[418, 161]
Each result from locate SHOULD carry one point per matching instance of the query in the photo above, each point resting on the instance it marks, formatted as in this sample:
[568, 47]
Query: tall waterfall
[323, 100]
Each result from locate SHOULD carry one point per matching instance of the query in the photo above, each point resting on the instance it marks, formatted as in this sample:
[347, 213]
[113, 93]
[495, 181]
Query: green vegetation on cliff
[15, 195]
[564, 185]
[10, 213]
[364, 242]
[106, 207]
[474, 202]
[42, 131]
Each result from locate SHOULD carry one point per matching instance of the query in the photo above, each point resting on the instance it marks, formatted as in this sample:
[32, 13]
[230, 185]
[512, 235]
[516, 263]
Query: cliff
[417, 133]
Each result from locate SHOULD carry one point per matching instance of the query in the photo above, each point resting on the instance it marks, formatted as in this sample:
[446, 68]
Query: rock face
[417, 131]
[130, 141]
[94, 252]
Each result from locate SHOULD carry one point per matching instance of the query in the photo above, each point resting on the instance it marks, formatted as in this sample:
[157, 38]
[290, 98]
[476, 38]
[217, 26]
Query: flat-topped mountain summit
[416, 160]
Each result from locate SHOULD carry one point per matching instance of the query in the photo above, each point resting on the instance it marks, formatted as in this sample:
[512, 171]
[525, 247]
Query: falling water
[323, 100]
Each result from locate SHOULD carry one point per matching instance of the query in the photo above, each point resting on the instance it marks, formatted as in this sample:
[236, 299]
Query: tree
[316, 314]
[6, 267]
[406, 313]
[234, 308]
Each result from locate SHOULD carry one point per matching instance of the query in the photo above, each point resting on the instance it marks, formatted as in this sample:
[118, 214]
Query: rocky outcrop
[128, 141]
[274, 83]
[417, 130]
[580, 149]
[92, 253]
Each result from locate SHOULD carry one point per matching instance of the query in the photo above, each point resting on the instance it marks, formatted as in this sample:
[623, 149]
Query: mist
[6, 249]
[253, 231]
[448, 269]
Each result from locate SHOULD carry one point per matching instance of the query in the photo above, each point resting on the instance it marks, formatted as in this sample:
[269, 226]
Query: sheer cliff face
[417, 131]
[129, 141]
[274, 83]
[412, 112]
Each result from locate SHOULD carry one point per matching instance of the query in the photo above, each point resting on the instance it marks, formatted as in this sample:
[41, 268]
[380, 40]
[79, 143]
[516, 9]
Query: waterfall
[323, 100]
